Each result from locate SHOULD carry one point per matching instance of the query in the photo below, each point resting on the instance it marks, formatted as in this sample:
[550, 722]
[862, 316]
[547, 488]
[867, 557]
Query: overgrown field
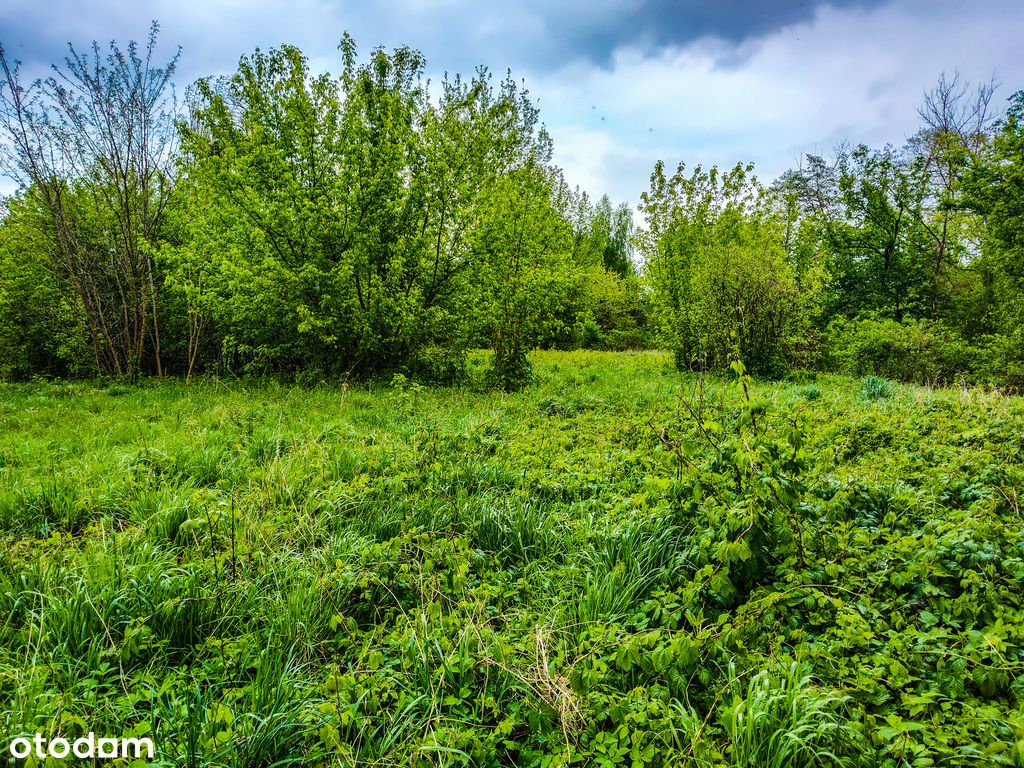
[620, 565]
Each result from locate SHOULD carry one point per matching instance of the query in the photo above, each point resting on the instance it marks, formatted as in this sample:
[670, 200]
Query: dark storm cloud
[658, 24]
[540, 35]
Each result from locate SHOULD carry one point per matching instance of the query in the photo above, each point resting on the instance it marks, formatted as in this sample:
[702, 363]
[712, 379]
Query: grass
[780, 719]
[585, 572]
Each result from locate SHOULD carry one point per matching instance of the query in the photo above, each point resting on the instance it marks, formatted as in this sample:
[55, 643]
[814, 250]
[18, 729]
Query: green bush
[623, 340]
[1001, 362]
[720, 275]
[588, 333]
[436, 364]
[913, 350]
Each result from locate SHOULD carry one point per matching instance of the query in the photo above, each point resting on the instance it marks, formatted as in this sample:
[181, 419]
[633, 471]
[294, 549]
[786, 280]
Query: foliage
[310, 191]
[719, 272]
[32, 303]
[914, 350]
[571, 558]
[994, 189]
[321, 228]
[91, 148]
[867, 209]
[784, 720]
[623, 565]
[310, 226]
[604, 235]
[522, 245]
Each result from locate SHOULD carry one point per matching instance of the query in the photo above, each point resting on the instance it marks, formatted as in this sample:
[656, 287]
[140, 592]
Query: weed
[875, 388]
[570, 574]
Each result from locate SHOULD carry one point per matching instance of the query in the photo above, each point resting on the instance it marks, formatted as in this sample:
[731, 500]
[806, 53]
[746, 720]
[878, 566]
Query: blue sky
[621, 83]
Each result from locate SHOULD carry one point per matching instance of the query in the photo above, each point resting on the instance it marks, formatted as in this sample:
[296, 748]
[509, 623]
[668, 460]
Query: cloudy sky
[620, 83]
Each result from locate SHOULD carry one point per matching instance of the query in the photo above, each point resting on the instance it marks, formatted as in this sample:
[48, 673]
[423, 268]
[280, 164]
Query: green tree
[327, 200]
[289, 214]
[956, 127]
[868, 206]
[719, 272]
[42, 330]
[522, 245]
[92, 148]
[610, 236]
[994, 188]
[353, 224]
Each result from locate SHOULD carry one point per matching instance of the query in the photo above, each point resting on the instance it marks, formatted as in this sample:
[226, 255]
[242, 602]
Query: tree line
[902, 262]
[281, 221]
[289, 222]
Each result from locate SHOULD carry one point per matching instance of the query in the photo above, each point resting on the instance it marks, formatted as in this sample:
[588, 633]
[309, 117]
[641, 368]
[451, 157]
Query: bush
[801, 376]
[439, 365]
[588, 333]
[510, 370]
[720, 274]
[621, 341]
[913, 350]
[1001, 362]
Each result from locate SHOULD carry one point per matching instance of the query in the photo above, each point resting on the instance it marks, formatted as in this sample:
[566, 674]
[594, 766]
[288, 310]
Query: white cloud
[850, 74]
[853, 73]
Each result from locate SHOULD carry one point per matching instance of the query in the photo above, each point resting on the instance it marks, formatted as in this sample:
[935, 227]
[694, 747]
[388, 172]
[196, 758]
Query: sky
[620, 83]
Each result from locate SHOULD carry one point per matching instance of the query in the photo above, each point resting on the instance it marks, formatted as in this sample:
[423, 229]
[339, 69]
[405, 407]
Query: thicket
[902, 263]
[283, 221]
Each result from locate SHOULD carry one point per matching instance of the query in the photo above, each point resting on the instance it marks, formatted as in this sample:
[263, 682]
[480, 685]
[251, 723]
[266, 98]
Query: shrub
[620, 341]
[913, 350]
[588, 333]
[1001, 361]
[719, 272]
[439, 365]
[510, 370]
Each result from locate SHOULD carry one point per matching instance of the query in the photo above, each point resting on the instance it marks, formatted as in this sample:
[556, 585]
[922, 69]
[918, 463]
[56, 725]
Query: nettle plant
[738, 486]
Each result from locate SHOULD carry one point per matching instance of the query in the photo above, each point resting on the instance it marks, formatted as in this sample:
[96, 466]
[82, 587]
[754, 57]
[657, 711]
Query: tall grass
[781, 719]
[622, 566]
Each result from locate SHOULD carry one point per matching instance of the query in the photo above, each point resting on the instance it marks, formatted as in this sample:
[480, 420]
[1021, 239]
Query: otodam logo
[87, 747]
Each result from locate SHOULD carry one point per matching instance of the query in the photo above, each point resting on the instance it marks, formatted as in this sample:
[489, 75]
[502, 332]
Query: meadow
[618, 565]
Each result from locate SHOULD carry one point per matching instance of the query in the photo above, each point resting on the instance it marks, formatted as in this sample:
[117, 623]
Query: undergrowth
[620, 565]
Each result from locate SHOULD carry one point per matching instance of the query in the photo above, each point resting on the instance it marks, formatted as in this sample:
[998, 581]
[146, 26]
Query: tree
[355, 224]
[314, 191]
[957, 123]
[610, 236]
[92, 147]
[994, 188]
[523, 241]
[41, 332]
[718, 270]
[867, 208]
